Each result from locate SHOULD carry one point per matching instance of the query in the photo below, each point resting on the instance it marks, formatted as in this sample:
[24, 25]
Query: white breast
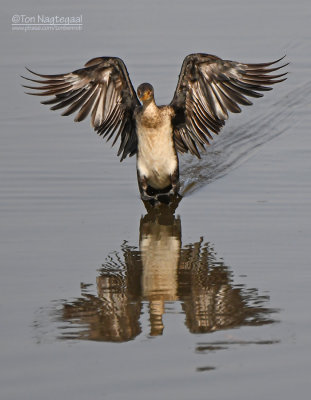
[156, 158]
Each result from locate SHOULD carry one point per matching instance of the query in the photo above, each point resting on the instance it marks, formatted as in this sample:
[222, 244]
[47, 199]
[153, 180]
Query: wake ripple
[236, 145]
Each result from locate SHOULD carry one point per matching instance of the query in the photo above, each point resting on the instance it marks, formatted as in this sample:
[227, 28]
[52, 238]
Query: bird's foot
[146, 197]
[174, 192]
[166, 197]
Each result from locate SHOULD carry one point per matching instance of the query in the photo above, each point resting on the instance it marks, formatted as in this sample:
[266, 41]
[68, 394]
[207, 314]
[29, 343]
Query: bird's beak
[145, 96]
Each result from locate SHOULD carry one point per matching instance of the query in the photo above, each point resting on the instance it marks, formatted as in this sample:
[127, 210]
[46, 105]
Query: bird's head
[145, 92]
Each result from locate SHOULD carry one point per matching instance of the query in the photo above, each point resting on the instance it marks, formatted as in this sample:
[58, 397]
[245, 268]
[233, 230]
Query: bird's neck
[150, 116]
[150, 107]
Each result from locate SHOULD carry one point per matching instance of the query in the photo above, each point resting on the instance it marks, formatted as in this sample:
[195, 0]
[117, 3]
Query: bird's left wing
[208, 88]
[103, 89]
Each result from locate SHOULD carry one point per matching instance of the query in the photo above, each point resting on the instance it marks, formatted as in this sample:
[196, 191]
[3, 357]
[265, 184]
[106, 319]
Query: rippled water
[162, 271]
[103, 298]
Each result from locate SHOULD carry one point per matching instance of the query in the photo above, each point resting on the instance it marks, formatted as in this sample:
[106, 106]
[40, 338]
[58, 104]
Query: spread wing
[208, 88]
[102, 89]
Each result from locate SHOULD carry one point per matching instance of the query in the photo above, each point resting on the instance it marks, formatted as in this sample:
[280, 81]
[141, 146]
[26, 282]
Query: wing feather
[103, 90]
[208, 89]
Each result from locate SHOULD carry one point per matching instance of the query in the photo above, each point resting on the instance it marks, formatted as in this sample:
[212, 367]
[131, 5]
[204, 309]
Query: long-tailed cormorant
[207, 89]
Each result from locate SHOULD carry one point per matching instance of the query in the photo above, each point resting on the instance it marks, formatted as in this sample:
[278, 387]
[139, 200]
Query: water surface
[100, 298]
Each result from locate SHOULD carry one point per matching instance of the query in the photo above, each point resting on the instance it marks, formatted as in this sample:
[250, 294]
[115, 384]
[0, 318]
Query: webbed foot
[146, 197]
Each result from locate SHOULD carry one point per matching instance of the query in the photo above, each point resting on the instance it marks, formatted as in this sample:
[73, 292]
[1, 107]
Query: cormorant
[207, 89]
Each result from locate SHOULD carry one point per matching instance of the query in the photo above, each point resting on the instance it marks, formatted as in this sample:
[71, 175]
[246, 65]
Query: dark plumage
[208, 89]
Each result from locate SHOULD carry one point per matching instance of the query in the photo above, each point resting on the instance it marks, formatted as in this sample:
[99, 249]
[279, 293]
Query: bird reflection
[161, 271]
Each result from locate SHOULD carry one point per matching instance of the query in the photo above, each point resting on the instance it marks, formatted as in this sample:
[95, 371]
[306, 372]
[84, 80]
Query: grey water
[100, 298]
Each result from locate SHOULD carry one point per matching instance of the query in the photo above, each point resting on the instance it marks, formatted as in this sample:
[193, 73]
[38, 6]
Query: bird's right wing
[103, 89]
